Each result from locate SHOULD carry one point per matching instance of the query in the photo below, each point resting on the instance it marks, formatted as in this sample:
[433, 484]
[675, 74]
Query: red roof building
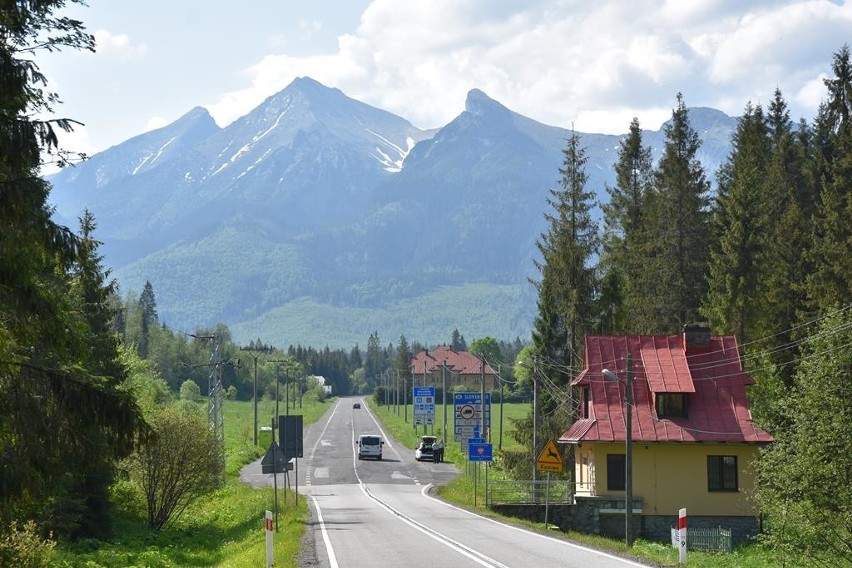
[693, 438]
[681, 392]
[462, 368]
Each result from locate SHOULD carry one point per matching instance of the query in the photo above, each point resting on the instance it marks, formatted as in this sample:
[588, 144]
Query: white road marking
[332, 559]
[425, 493]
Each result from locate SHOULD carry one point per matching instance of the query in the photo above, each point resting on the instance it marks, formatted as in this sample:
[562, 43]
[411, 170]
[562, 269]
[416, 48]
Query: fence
[511, 492]
[706, 540]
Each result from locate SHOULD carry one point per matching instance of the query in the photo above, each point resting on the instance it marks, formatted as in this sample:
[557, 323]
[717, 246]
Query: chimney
[696, 339]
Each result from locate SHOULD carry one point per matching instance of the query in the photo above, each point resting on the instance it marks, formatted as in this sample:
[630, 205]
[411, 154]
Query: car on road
[370, 446]
[356, 406]
[429, 448]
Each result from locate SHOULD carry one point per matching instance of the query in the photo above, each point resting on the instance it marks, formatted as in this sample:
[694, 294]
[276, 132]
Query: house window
[722, 473]
[671, 405]
[615, 472]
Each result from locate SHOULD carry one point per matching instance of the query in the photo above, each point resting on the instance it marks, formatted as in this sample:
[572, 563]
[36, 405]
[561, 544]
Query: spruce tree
[681, 235]
[626, 237]
[63, 418]
[830, 283]
[567, 287]
[742, 226]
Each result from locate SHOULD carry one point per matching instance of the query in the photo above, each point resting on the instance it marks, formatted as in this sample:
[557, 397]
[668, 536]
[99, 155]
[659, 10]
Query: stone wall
[586, 517]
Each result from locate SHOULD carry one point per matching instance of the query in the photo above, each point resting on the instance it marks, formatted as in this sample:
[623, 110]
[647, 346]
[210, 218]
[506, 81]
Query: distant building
[462, 368]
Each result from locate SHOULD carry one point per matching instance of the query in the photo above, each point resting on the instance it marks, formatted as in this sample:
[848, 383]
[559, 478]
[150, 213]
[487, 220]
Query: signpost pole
[547, 501]
[681, 529]
[270, 559]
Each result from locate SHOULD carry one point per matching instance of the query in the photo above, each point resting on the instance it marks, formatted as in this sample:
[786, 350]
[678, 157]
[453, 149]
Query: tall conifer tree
[830, 283]
[625, 240]
[679, 221]
[567, 287]
[742, 227]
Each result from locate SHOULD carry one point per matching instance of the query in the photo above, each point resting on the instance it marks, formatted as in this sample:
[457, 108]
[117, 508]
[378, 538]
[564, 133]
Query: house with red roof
[693, 439]
[462, 369]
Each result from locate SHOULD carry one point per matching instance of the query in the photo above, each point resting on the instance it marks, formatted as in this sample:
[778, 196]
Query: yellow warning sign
[550, 458]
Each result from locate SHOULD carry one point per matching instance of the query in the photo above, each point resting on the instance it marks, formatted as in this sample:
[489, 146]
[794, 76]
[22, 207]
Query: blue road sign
[479, 452]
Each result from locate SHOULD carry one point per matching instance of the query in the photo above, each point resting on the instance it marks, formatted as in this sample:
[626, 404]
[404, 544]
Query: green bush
[189, 390]
[22, 547]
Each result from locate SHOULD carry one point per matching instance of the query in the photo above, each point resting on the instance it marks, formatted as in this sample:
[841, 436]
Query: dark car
[356, 405]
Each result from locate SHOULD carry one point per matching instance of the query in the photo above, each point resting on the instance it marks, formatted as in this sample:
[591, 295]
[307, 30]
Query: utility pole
[628, 458]
[216, 400]
[482, 396]
[628, 447]
[444, 397]
[255, 355]
[535, 422]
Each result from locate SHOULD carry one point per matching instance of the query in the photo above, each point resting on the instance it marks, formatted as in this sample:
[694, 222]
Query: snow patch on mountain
[391, 164]
[151, 158]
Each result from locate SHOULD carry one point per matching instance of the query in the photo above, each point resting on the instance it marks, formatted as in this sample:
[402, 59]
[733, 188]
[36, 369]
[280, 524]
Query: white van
[370, 446]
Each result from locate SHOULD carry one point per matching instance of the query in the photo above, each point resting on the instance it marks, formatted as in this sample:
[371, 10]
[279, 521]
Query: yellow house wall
[669, 477]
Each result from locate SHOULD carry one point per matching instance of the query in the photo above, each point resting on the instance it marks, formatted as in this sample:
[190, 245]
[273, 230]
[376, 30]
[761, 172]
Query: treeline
[765, 258]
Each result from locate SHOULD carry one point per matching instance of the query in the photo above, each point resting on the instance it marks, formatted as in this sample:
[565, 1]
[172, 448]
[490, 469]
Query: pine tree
[625, 237]
[742, 225]
[830, 283]
[567, 286]
[679, 223]
[791, 219]
[62, 418]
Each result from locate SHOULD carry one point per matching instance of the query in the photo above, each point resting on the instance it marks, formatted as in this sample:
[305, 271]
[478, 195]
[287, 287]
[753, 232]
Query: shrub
[22, 547]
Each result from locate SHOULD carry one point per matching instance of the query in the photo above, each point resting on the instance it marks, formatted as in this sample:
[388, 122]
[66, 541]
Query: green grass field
[225, 528]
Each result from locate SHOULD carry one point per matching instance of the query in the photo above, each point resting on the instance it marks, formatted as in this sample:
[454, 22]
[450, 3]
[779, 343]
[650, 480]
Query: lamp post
[628, 449]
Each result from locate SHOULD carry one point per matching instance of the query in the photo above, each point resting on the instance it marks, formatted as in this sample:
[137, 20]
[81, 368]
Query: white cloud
[155, 122]
[595, 65]
[118, 45]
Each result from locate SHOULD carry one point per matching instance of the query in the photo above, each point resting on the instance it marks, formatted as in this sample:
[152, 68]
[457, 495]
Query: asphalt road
[368, 513]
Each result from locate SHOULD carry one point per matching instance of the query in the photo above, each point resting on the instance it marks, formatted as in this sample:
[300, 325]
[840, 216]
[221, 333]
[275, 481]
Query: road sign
[424, 405]
[479, 452]
[468, 415]
[550, 458]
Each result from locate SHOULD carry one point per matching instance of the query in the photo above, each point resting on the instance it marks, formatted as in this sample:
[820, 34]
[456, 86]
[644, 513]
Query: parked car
[370, 446]
[429, 448]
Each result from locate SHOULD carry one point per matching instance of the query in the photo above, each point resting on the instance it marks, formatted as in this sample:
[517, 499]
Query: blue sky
[593, 65]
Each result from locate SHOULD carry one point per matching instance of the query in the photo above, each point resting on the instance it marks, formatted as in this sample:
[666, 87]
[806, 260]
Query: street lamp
[628, 458]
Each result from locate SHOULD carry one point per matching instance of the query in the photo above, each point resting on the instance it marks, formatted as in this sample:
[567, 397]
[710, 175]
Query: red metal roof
[460, 362]
[713, 380]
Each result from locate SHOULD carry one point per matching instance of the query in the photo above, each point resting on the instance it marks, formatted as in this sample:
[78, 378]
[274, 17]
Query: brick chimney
[696, 339]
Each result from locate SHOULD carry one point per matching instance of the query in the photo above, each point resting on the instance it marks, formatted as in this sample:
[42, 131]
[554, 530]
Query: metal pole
[444, 397]
[482, 397]
[254, 398]
[535, 425]
[628, 458]
[500, 444]
[275, 470]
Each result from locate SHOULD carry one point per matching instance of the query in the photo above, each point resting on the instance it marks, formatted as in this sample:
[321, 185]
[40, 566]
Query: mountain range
[316, 219]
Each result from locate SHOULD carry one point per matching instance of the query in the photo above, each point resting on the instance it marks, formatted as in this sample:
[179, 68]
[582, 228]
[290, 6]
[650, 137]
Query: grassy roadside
[461, 492]
[224, 528]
